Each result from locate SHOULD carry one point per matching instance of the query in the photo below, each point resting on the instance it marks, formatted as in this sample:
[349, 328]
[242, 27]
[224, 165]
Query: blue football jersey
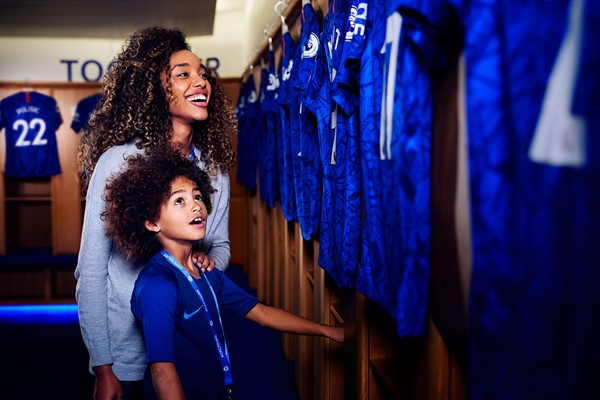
[396, 100]
[308, 175]
[534, 177]
[341, 210]
[288, 48]
[83, 112]
[31, 120]
[247, 112]
[290, 104]
[267, 159]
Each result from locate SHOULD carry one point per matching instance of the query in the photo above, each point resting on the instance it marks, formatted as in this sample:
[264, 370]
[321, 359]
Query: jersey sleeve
[154, 303]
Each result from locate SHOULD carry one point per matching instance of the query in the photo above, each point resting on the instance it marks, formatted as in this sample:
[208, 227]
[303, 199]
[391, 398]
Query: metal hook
[284, 26]
[276, 8]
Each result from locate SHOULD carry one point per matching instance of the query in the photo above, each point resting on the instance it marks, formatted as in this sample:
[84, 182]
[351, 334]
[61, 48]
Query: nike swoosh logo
[190, 315]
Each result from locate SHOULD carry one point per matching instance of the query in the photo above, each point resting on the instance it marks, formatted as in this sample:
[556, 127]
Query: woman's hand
[106, 386]
[202, 261]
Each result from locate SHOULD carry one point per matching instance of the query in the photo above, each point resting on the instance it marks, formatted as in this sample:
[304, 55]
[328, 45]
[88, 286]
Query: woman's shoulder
[113, 159]
[119, 153]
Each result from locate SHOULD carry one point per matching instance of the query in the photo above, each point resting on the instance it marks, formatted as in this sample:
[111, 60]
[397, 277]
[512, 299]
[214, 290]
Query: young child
[156, 210]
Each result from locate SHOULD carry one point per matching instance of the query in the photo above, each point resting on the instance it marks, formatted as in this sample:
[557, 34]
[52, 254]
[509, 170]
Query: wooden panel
[238, 230]
[288, 279]
[63, 285]
[238, 206]
[333, 369]
[23, 285]
[67, 215]
[276, 264]
[305, 300]
[28, 225]
[268, 253]
[232, 88]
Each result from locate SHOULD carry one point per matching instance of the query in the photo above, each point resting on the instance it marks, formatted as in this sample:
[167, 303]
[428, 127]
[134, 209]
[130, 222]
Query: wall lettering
[92, 70]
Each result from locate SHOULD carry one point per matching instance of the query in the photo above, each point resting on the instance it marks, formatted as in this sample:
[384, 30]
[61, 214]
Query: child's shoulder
[155, 271]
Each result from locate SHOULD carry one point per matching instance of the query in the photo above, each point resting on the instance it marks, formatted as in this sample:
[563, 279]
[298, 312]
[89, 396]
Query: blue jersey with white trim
[31, 120]
[267, 159]
[534, 190]
[340, 213]
[289, 123]
[247, 112]
[308, 177]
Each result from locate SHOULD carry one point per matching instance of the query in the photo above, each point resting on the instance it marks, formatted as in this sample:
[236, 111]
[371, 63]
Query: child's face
[182, 216]
[190, 88]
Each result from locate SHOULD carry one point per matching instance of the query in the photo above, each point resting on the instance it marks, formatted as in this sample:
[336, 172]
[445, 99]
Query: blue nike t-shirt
[175, 327]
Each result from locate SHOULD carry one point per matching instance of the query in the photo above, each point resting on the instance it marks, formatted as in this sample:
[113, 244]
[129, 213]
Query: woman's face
[190, 89]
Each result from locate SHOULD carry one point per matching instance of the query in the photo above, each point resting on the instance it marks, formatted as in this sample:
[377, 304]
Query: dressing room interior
[424, 173]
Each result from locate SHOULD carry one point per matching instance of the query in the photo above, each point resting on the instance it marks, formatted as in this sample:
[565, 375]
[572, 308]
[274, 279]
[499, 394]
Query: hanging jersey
[83, 112]
[308, 177]
[340, 212]
[290, 105]
[247, 110]
[420, 58]
[30, 120]
[535, 225]
[280, 138]
[267, 160]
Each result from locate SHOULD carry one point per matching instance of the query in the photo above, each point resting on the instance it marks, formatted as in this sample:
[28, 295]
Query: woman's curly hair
[134, 105]
[137, 194]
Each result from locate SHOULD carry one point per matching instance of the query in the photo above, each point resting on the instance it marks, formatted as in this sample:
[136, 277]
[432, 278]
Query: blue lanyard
[222, 350]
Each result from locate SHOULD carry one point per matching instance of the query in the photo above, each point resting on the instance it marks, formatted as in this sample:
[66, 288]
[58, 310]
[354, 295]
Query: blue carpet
[44, 357]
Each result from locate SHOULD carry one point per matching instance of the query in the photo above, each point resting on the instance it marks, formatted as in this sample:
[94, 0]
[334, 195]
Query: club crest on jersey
[287, 72]
[311, 47]
[273, 82]
[252, 97]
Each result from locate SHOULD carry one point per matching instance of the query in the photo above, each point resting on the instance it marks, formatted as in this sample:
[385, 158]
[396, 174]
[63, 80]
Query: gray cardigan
[105, 279]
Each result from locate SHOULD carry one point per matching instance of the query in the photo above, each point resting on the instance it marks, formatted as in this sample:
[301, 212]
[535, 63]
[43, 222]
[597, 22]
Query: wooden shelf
[385, 370]
[310, 276]
[337, 312]
[22, 199]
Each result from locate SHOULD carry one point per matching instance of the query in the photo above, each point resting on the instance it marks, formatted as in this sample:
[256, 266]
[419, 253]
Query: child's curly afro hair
[136, 195]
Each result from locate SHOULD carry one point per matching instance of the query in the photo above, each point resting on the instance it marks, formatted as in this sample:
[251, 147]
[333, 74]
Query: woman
[156, 93]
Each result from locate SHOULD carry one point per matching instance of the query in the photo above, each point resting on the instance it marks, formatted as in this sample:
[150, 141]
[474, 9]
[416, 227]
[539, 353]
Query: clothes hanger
[263, 63]
[27, 86]
[284, 27]
[27, 89]
[248, 70]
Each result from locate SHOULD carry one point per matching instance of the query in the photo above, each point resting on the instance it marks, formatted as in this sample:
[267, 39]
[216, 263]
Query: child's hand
[202, 261]
[337, 333]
